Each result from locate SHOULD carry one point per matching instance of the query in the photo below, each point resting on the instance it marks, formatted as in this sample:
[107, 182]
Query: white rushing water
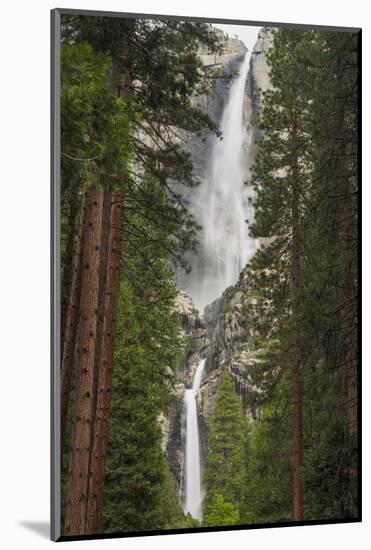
[223, 203]
[193, 491]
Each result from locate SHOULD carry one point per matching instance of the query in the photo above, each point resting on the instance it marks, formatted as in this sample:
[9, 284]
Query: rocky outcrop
[195, 347]
[195, 338]
[228, 321]
[190, 318]
[226, 64]
[228, 318]
[232, 48]
[173, 433]
[258, 80]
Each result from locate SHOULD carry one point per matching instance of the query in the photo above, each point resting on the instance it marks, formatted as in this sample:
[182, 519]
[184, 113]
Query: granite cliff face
[204, 201]
[196, 346]
[222, 334]
[258, 79]
[213, 103]
[222, 337]
[257, 83]
[227, 318]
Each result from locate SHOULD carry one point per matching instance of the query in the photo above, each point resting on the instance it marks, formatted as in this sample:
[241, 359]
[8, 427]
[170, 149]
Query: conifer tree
[331, 269]
[139, 490]
[268, 488]
[281, 181]
[225, 469]
[167, 79]
[304, 280]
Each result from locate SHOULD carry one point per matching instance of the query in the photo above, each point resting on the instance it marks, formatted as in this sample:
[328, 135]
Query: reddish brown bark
[343, 151]
[297, 364]
[71, 324]
[101, 421]
[352, 388]
[78, 476]
[106, 342]
[104, 246]
[98, 310]
[350, 308]
[298, 435]
[349, 320]
[71, 251]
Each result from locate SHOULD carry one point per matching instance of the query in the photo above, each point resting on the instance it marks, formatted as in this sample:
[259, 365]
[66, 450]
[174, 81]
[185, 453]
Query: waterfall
[222, 204]
[193, 493]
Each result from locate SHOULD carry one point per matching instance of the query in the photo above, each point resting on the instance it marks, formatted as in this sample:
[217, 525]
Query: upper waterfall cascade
[222, 204]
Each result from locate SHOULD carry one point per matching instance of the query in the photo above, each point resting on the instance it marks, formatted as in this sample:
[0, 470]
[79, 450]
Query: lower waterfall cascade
[193, 482]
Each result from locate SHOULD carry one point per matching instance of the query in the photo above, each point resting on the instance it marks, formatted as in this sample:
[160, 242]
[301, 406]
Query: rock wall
[257, 83]
[196, 346]
[227, 318]
[258, 78]
[212, 103]
[228, 321]
[222, 335]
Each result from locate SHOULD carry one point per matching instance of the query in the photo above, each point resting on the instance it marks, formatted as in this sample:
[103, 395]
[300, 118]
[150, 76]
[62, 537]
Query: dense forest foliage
[305, 281]
[226, 463]
[126, 91]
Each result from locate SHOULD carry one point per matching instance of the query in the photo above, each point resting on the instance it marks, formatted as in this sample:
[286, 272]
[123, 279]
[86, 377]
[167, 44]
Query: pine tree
[77, 491]
[281, 182]
[329, 456]
[268, 488]
[163, 98]
[139, 490]
[225, 469]
[102, 128]
[304, 281]
[85, 90]
[219, 512]
[331, 270]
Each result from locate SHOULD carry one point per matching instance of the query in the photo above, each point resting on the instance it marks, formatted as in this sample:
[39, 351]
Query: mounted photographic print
[205, 215]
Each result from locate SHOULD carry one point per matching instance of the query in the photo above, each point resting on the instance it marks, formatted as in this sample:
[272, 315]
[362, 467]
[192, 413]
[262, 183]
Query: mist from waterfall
[193, 489]
[222, 204]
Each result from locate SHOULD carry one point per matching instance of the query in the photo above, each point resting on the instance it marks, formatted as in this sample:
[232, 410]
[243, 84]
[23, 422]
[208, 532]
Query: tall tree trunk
[349, 310]
[78, 475]
[101, 423]
[347, 235]
[68, 343]
[351, 348]
[350, 295]
[297, 365]
[103, 269]
[344, 153]
[352, 363]
[69, 265]
[107, 341]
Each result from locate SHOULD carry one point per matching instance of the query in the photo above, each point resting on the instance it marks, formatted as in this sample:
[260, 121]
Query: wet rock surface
[196, 345]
